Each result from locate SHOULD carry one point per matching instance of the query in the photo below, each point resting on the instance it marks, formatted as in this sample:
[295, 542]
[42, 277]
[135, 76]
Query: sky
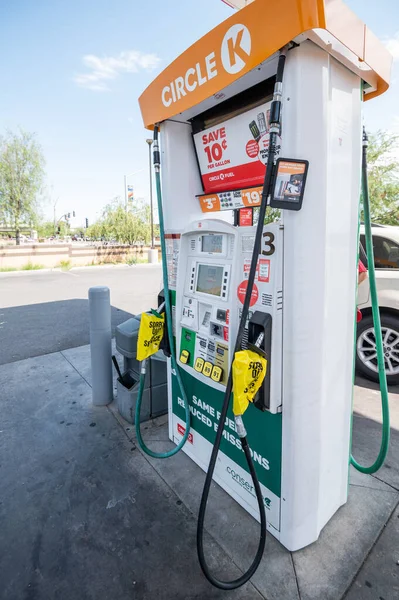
[72, 72]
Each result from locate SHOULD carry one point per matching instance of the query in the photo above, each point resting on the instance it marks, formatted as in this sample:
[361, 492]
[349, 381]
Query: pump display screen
[209, 280]
[212, 243]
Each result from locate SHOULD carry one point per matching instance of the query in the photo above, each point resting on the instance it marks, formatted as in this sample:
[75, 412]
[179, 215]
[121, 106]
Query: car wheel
[366, 350]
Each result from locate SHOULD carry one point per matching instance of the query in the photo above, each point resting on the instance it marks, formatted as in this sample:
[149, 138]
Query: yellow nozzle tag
[150, 335]
[249, 370]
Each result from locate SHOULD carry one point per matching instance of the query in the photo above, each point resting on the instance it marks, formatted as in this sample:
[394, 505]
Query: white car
[386, 260]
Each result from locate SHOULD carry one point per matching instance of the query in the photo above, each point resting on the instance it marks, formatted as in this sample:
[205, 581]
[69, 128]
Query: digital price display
[212, 244]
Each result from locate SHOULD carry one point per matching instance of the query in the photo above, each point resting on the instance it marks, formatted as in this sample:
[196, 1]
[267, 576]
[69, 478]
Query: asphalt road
[45, 312]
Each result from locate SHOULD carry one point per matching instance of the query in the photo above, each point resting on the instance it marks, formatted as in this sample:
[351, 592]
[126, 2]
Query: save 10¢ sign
[214, 144]
[232, 154]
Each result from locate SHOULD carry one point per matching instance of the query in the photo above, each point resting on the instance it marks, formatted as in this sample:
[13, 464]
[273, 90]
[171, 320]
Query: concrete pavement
[46, 312]
[84, 514]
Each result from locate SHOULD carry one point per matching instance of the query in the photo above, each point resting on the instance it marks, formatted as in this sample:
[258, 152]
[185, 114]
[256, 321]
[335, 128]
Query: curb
[27, 272]
[22, 272]
[115, 266]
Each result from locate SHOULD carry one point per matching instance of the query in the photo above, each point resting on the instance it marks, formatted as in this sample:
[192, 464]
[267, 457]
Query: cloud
[103, 70]
[392, 45]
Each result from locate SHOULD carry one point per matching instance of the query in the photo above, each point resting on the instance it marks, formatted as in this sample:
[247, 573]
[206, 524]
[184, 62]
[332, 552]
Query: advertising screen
[209, 280]
[289, 186]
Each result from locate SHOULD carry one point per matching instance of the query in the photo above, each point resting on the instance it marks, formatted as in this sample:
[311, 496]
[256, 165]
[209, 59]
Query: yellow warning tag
[249, 370]
[150, 335]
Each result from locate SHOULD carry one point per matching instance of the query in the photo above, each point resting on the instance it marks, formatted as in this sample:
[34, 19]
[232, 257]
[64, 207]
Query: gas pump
[243, 115]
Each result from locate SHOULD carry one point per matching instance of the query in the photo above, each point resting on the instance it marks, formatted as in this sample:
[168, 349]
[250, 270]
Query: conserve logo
[246, 485]
[232, 57]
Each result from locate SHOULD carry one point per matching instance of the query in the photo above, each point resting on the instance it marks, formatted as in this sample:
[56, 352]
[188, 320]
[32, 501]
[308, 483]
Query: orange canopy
[251, 36]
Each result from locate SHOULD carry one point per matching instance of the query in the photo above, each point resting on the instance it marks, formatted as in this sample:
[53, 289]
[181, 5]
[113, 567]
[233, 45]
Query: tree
[46, 228]
[383, 177]
[21, 177]
[129, 227]
[272, 215]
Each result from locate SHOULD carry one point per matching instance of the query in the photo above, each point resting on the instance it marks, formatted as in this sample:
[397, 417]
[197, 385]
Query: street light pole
[125, 193]
[149, 142]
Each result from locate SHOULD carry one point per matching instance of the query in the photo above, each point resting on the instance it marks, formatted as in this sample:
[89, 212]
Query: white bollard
[153, 255]
[100, 345]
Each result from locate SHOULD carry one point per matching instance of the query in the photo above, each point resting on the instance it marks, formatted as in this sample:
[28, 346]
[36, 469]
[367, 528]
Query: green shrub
[65, 265]
[32, 267]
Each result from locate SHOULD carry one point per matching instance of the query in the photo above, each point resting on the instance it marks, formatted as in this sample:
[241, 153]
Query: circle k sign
[232, 56]
[236, 48]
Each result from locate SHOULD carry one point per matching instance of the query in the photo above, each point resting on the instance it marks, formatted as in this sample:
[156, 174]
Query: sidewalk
[20, 272]
[85, 515]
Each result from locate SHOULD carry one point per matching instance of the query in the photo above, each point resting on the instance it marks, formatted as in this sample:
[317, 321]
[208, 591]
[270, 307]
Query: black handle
[117, 367]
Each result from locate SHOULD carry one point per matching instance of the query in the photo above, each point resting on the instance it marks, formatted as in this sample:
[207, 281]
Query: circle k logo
[236, 48]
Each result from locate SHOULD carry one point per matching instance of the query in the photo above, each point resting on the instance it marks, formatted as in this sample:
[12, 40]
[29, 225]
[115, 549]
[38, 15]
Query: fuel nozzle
[161, 308]
[365, 137]
[259, 340]
[143, 368]
[156, 157]
[259, 333]
[240, 427]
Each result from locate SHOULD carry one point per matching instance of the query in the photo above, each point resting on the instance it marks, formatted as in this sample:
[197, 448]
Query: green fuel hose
[169, 328]
[377, 325]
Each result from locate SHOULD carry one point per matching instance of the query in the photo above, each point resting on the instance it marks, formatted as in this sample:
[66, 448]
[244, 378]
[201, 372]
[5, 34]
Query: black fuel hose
[275, 119]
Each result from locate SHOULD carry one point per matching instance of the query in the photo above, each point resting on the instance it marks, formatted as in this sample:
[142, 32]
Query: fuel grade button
[199, 364]
[207, 369]
[184, 356]
[216, 373]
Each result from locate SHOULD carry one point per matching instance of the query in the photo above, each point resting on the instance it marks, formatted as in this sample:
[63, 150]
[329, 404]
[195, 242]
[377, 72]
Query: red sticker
[242, 290]
[252, 148]
[264, 270]
[182, 430]
[245, 217]
[247, 268]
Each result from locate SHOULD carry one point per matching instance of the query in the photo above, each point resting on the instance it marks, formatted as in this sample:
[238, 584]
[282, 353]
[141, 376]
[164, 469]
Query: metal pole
[125, 193]
[151, 205]
[100, 345]
[149, 142]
